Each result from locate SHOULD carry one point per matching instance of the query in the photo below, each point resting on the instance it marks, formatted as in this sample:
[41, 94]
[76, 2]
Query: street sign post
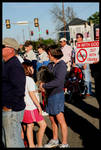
[87, 52]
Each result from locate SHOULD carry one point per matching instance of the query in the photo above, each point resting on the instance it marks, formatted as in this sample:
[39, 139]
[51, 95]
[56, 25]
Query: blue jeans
[87, 79]
[11, 129]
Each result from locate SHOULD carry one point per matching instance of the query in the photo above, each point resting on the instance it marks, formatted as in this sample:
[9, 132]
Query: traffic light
[31, 32]
[47, 32]
[8, 26]
[36, 24]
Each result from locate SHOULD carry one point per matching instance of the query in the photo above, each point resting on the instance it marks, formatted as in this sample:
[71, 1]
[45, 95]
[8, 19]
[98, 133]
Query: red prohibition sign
[80, 53]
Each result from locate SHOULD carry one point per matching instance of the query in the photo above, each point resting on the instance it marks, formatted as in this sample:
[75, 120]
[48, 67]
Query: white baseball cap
[63, 39]
[11, 43]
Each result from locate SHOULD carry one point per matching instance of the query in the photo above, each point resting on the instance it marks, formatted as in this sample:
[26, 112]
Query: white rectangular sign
[87, 52]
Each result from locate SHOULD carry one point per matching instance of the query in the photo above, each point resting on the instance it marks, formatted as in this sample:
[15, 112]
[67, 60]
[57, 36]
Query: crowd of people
[21, 100]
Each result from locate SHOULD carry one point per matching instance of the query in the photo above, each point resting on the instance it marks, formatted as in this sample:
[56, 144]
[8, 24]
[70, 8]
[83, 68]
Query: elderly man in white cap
[13, 92]
[67, 52]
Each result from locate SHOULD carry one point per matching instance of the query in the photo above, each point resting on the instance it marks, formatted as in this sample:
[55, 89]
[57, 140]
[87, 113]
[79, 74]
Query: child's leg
[41, 131]
[22, 133]
[30, 134]
[23, 129]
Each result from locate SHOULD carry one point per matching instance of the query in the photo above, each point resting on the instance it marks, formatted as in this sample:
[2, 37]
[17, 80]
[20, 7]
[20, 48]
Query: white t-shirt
[43, 57]
[20, 58]
[30, 55]
[67, 52]
[30, 86]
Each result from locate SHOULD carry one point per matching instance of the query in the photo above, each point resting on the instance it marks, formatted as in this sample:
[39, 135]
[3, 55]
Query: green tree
[46, 42]
[94, 18]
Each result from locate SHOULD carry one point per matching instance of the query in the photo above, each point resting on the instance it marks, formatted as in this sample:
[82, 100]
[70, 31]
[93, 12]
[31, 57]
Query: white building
[81, 26]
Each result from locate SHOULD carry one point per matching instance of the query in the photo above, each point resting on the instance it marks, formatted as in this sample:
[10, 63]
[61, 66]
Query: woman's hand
[41, 88]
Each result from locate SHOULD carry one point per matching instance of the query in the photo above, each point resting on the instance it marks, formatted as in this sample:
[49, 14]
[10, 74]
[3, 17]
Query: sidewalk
[82, 119]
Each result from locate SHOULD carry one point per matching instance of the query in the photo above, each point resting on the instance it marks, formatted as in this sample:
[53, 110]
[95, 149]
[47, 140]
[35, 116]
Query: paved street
[82, 120]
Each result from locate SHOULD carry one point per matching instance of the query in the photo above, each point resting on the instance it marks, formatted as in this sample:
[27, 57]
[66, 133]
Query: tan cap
[10, 42]
[63, 39]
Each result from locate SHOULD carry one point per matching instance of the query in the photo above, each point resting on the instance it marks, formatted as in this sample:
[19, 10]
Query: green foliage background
[35, 44]
[94, 18]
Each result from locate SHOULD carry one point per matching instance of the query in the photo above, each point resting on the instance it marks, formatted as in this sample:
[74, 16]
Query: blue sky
[28, 11]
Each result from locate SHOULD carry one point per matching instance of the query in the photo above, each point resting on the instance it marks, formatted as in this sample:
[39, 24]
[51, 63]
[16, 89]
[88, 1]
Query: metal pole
[39, 31]
[29, 33]
[64, 19]
[23, 35]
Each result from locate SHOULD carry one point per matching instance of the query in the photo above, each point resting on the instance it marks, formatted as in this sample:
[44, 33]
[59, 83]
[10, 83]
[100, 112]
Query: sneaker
[44, 113]
[52, 143]
[64, 146]
[87, 94]
[36, 146]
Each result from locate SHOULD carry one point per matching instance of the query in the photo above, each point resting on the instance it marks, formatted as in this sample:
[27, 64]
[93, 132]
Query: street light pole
[23, 35]
[39, 31]
[64, 20]
[29, 33]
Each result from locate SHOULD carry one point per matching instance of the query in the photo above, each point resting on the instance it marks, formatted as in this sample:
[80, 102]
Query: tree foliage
[35, 44]
[94, 18]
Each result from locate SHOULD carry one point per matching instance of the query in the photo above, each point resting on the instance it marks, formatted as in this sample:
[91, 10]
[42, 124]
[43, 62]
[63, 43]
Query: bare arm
[33, 97]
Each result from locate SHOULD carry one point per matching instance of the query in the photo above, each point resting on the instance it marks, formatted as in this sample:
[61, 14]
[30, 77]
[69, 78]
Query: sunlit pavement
[82, 118]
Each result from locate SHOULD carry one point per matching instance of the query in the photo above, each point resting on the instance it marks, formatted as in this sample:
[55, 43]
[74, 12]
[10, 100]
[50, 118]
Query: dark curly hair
[80, 34]
[55, 51]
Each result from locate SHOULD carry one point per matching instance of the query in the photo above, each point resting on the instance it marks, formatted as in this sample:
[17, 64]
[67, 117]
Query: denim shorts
[55, 104]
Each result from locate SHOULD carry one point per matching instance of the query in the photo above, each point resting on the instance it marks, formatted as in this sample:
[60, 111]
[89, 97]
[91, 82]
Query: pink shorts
[31, 116]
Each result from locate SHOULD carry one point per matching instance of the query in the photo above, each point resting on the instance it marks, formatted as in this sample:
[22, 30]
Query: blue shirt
[44, 63]
[13, 84]
[59, 70]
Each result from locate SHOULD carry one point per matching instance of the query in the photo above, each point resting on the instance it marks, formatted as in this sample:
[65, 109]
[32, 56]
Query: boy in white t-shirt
[43, 59]
[33, 111]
